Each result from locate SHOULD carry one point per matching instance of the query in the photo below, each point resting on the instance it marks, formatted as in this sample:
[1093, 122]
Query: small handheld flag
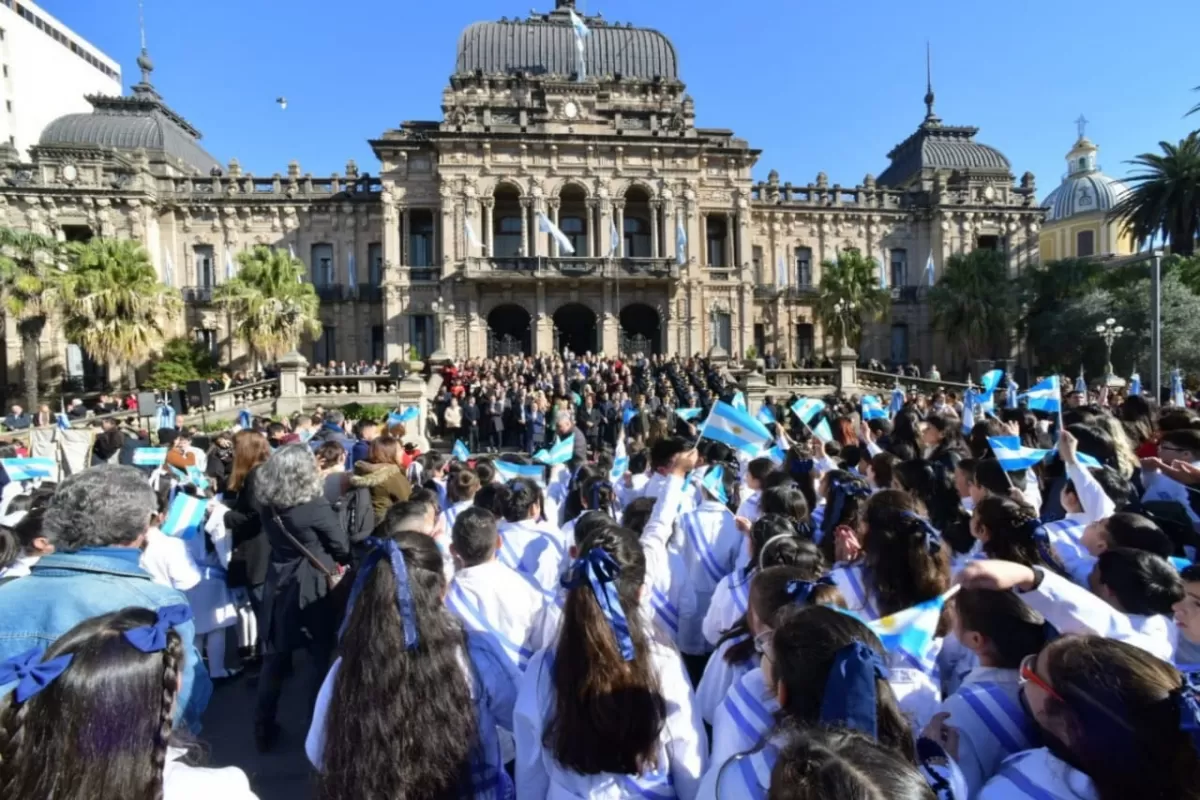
[765, 416]
[909, 635]
[735, 428]
[712, 483]
[687, 414]
[1080, 384]
[872, 408]
[460, 452]
[806, 408]
[989, 381]
[62, 420]
[1014, 456]
[738, 401]
[1011, 393]
[245, 419]
[897, 403]
[1178, 397]
[1135, 385]
[149, 456]
[29, 469]
[970, 402]
[619, 468]
[403, 417]
[509, 471]
[185, 516]
[560, 453]
[166, 416]
[822, 431]
[627, 415]
[1045, 396]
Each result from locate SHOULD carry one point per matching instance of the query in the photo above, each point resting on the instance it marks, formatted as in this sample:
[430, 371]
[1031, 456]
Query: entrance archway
[575, 329]
[641, 329]
[509, 332]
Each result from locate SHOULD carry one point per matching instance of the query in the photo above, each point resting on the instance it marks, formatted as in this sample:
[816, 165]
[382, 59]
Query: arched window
[575, 229]
[637, 238]
[507, 242]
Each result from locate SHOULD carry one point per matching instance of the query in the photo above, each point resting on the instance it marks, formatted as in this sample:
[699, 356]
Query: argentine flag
[581, 33]
[970, 402]
[469, 232]
[1081, 384]
[405, 416]
[929, 269]
[614, 238]
[546, 226]
[872, 408]
[736, 428]
[509, 471]
[987, 390]
[1014, 456]
[619, 468]
[560, 453]
[62, 420]
[1135, 385]
[1011, 394]
[1178, 397]
[908, 635]
[822, 431]
[765, 416]
[680, 241]
[460, 452]
[712, 483]
[245, 419]
[29, 469]
[1045, 396]
[738, 401]
[897, 403]
[229, 270]
[687, 414]
[185, 516]
[149, 456]
[166, 416]
[627, 415]
[806, 408]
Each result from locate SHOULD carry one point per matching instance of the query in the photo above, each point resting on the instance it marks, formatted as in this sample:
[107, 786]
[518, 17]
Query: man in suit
[18, 420]
[564, 426]
[589, 421]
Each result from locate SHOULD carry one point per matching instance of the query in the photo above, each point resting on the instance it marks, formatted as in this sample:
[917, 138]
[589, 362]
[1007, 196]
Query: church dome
[544, 44]
[1086, 189]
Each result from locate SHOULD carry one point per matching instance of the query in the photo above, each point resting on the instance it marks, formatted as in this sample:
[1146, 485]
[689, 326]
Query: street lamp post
[442, 310]
[842, 310]
[1109, 330]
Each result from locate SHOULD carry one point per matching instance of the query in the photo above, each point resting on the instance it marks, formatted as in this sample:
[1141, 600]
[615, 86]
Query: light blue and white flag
[469, 232]
[351, 270]
[404, 416]
[806, 408]
[781, 273]
[778, 453]
[1045, 396]
[62, 421]
[765, 416]
[28, 469]
[680, 241]
[929, 269]
[581, 33]
[165, 416]
[1178, 397]
[546, 226]
[735, 428]
[688, 414]
[883, 260]
[627, 415]
[149, 456]
[872, 408]
[713, 483]
[1080, 384]
[245, 419]
[1087, 461]
[1012, 394]
[909, 634]
[169, 272]
[897, 403]
[560, 453]
[460, 452]
[509, 471]
[614, 238]
[738, 401]
[970, 403]
[185, 516]
[1135, 385]
[619, 468]
[229, 268]
[1014, 456]
[990, 380]
[822, 431]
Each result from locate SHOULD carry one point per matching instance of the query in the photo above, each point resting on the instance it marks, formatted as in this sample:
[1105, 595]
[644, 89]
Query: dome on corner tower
[1086, 189]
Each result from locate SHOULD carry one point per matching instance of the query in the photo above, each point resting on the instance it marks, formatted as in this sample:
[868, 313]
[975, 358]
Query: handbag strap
[307, 553]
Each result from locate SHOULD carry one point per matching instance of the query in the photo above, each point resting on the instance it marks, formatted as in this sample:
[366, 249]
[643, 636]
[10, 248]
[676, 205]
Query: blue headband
[1041, 540]
[600, 571]
[930, 534]
[404, 598]
[800, 591]
[31, 674]
[841, 490]
[153, 638]
[850, 699]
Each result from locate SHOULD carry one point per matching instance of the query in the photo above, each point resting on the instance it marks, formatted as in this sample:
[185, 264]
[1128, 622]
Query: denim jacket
[64, 589]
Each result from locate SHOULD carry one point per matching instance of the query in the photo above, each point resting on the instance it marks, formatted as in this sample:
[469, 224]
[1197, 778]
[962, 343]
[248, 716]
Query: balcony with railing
[202, 295]
[906, 295]
[806, 293]
[542, 268]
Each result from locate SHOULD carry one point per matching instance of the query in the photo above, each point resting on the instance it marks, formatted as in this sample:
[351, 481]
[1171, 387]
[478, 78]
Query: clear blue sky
[817, 85]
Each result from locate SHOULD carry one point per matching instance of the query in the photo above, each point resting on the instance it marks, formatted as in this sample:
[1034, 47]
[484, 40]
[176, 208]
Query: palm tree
[1165, 197]
[113, 304]
[850, 294]
[271, 303]
[30, 277]
[974, 302]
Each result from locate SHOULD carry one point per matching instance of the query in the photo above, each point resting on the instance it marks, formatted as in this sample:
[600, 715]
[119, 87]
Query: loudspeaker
[147, 403]
[178, 401]
[395, 371]
[197, 394]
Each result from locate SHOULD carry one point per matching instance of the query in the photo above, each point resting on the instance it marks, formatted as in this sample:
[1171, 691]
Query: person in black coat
[470, 412]
[308, 550]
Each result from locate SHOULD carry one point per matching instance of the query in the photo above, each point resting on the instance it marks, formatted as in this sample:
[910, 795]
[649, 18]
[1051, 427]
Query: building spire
[144, 62]
[929, 115]
[1082, 123]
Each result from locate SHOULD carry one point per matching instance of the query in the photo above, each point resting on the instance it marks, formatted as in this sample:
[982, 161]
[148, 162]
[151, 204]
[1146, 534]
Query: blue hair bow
[31, 673]
[1041, 540]
[800, 468]
[800, 591]
[594, 500]
[930, 534]
[404, 598]
[153, 638]
[850, 698]
[600, 571]
[840, 491]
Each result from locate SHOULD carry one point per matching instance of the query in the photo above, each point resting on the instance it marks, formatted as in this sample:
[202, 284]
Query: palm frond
[272, 306]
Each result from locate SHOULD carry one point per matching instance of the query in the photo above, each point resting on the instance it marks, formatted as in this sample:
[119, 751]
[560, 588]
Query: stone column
[526, 244]
[730, 259]
[543, 332]
[669, 223]
[590, 227]
[655, 212]
[292, 367]
[554, 249]
[487, 236]
[618, 208]
[755, 386]
[405, 236]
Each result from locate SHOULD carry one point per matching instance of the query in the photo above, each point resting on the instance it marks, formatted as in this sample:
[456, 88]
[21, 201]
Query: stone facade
[676, 249]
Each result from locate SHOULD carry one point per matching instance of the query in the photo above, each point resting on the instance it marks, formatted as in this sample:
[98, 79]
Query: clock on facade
[570, 110]
[70, 173]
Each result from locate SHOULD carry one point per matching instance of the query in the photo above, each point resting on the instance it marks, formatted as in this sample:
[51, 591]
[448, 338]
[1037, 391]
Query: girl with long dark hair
[1010, 531]
[91, 717]
[932, 484]
[595, 494]
[609, 711]
[410, 707]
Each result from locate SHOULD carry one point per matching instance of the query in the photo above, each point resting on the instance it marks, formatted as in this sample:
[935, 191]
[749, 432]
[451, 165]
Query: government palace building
[667, 244]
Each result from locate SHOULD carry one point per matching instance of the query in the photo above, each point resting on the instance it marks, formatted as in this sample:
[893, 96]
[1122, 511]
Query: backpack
[356, 513]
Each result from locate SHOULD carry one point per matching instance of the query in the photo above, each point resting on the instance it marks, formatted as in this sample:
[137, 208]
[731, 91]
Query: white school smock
[451, 514]
[1038, 775]
[1066, 539]
[495, 602]
[991, 723]
[166, 559]
[711, 545]
[212, 602]
[1073, 609]
[666, 573]
[749, 506]
[184, 782]
[682, 744]
[493, 685]
[743, 777]
[851, 581]
[719, 676]
[535, 550]
[744, 717]
[729, 602]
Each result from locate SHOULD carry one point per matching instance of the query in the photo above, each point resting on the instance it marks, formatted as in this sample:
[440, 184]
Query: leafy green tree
[182, 360]
[272, 307]
[114, 306]
[1164, 198]
[30, 280]
[1046, 291]
[974, 303]
[849, 294]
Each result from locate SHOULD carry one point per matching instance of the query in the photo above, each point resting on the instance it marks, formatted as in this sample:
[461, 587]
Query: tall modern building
[667, 244]
[46, 70]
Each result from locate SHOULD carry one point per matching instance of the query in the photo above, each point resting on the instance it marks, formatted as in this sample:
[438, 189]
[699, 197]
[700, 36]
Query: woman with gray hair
[307, 546]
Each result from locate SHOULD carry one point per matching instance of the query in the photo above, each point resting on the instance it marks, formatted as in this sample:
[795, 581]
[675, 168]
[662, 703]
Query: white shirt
[167, 560]
[729, 602]
[710, 550]
[1038, 774]
[743, 718]
[497, 603]
[991, 722]
[536, 550]
[19, 568]
[184, 782]
[719, 676]
[1159, 487]
[682, 744]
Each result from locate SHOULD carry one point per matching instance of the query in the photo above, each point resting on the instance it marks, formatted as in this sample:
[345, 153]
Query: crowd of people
[642, 610]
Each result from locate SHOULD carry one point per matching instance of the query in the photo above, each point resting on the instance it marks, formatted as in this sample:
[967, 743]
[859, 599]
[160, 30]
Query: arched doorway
[641, 329]
[575, 329]
[509, 332]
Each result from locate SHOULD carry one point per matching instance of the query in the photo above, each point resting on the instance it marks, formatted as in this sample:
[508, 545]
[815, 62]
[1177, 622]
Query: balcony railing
[198, 294]
[764, 291]
[547, 267]
[906, 294]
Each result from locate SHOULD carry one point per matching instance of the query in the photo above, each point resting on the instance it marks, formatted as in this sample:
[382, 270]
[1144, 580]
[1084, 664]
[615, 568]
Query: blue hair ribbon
[594, 500]
[598, 569]
[153, 638]
[800, 468]
[404, 599]
[840, 491]
[31, 673]
[800, 591]
[930, 534]
[1041, 540]
[850, 698]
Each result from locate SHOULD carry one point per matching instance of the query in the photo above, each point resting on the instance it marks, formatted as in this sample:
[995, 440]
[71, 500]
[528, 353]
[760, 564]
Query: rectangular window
[421, 251]
[325, 348]
[1085, 244]
[375, 264]
[988, 243]
[899, 271]
[420, 333]
[899, 349]
[723, 330]
[804, 342]
[715, 234]
[756, 258]
[206, 273]
[208, 338]
[803, 257]
[377, 348]
[760, 338]
[322, 265]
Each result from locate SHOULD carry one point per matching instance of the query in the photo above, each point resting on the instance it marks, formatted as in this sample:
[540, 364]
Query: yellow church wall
[1058, 240]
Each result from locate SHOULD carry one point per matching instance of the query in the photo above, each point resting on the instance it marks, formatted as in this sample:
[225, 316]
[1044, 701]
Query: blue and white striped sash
[854, 578]
[755, 771]
[752, 718]
[658, 785]
[1002, 716]
[665, 611]
[1022, 783]
[740, 593]
[472, 615]
[695, 534]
